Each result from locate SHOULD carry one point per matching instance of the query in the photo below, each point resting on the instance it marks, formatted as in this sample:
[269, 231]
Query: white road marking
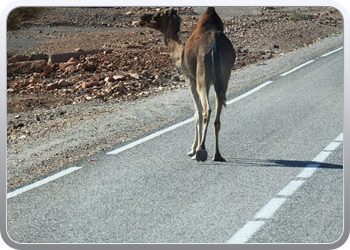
[296, 68]
[42, 182]
[243, 234]
[291, 187]
[327, 54]
[322, 156]
[332, 146]
[156, 134]
[150, 137]
[266, 212]
[248, 93]
[339, 137]
[308, 170]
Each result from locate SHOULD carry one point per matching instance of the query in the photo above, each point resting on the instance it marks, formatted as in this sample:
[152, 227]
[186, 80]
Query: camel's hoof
[191, 153]
[218, 157]
[201, 155]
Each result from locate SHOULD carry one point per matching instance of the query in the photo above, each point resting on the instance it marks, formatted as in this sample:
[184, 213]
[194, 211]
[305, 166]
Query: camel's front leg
[198, 118]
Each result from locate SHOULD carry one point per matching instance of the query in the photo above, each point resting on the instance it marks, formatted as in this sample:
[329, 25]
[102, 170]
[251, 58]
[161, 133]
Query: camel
[206, 59]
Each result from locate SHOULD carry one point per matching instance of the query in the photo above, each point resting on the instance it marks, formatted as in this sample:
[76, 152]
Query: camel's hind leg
[203, 91]
[217, 125]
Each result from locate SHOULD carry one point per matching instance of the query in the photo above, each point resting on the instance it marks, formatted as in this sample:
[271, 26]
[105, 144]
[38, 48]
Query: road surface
[282, 181]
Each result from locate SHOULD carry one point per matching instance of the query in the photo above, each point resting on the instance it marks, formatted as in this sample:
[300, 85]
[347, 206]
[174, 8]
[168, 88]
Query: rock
[110, 79]
[52, 86]
[26, 67]
[134, 75]
[121, 87]
[63, 83]
[33, 80]
[63, 66]
[107, 52]
[47, 70]
[36, 75]
[10, 90]
[78, 50]
[176, 78]
[88, 67]
[119, 77]
[72, 60]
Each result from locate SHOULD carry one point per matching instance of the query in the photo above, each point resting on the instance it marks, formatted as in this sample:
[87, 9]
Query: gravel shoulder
[42, 140]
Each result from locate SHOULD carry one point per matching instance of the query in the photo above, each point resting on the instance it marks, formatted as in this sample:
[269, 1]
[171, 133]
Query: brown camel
[206, 59]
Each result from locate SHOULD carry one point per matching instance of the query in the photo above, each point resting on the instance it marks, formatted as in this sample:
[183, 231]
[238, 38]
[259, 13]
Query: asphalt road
[152, 192]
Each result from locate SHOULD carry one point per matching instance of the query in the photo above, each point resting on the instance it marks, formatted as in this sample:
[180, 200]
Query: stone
[134, 75]
[36, 75]
[33, 80]
[88, 67]
[121, 87]
[109, 79]
[63, 66]
[63, 83]
[107, 52]
[52, 86]
[47, 70]
[119, 77]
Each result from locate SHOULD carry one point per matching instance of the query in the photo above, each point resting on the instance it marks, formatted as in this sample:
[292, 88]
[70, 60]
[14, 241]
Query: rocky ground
[71, 64]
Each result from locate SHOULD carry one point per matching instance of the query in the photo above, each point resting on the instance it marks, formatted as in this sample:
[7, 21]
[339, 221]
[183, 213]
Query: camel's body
[207, 59]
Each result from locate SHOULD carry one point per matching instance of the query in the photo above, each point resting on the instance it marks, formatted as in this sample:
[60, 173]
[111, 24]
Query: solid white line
[149, 137]
[243, 234]
[296, 68]
[327, 54]
[267, 211]
[308, 170]
[42, 182]
[156, 134]
[291, 187]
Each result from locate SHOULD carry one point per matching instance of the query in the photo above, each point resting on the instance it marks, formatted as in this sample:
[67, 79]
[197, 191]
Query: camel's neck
[171, 40]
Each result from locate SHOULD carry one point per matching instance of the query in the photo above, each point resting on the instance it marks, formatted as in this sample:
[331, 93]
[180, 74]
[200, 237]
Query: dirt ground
[75, 57]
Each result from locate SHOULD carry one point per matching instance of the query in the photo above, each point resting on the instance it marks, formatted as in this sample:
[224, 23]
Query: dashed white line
[332, 146]
[156, 134]
[267, 211]
[244, 234]
[271, 207]
[322, 156]
[291, 188]
[308, 170]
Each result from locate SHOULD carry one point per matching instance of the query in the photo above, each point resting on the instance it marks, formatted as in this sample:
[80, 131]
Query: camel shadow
[243, 162]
